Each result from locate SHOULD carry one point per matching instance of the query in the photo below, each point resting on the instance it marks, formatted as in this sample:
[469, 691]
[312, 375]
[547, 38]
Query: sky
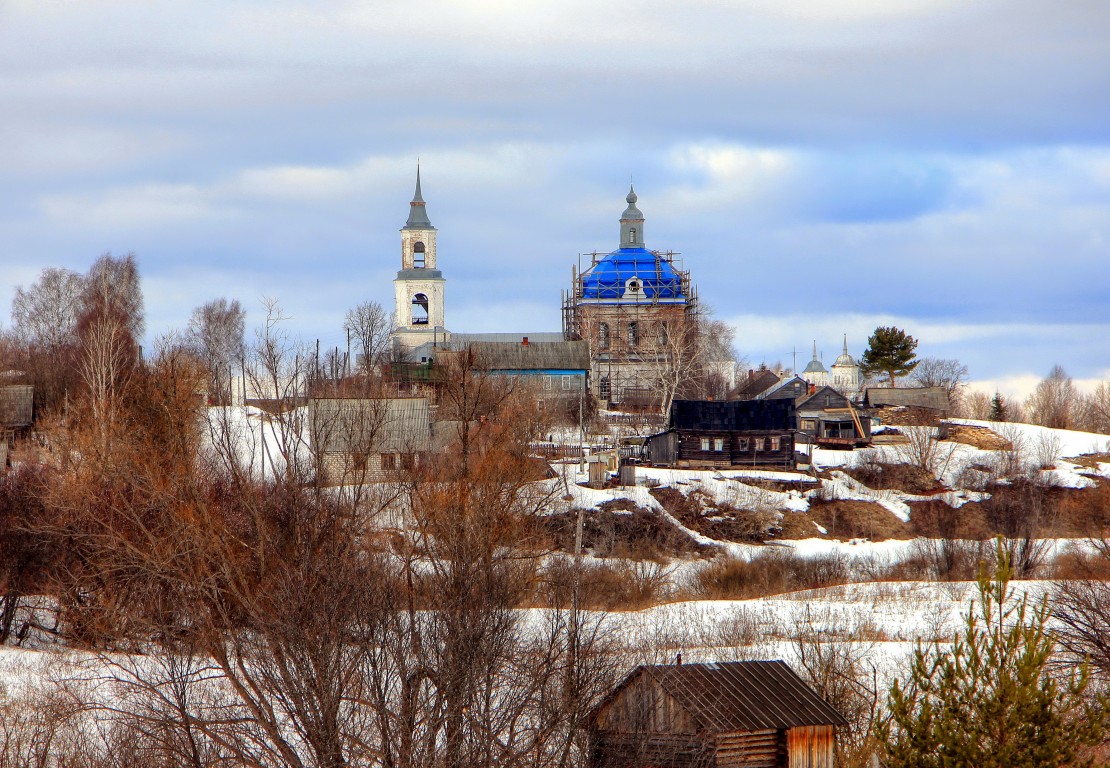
[822, 167]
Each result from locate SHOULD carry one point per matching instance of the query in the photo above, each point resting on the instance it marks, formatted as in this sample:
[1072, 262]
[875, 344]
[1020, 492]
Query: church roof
[609, 278]
[845, 359]
[418, 212]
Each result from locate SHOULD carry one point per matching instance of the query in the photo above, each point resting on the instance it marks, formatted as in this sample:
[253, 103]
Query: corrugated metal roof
[743, 695]
[732, 415]
[935, 398]
[16, 401]
[533, 356]
[370, 425]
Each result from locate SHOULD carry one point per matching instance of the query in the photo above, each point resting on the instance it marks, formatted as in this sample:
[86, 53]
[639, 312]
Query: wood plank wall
[811, 746]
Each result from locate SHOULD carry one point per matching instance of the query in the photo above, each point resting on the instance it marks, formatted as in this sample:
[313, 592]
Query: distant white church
[844, 375]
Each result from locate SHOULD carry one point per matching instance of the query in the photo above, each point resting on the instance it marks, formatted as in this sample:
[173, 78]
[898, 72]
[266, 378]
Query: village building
[756, 714]
[908, 405]
[634, 306]
[756, 383]
[713, 434]
[369, 439]
[828, 418]
[16, 413]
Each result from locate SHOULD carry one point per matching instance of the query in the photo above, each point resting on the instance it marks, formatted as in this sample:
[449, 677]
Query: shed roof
[16, 401]
[822, 399]
[740, 695]
[935, 398]
[371, 425]
[732, 415]
[757, 381]
[533, 356]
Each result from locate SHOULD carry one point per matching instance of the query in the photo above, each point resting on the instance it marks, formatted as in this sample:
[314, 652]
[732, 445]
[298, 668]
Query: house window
[742, 443]
[408, 461]
[633, 334]
[603, 336]
[605, 388]
[766, 443]
[808, 425]
[775, 443]
[705, 443]
[358, 462]
[718, 444]
[389, 462]
[568, 381]
[418, 256]
[548, 382]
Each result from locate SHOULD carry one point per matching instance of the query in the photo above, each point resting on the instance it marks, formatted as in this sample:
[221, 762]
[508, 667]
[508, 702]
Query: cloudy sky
[823, 167]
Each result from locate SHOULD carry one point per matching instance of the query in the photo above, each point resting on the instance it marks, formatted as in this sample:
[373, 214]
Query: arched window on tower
[418, 256]
[605, 388]
[603, 336]
[420, 309]
[633, 333]
[632, 234]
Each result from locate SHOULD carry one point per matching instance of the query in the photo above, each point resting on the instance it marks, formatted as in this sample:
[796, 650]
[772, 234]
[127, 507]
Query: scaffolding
[623, 354]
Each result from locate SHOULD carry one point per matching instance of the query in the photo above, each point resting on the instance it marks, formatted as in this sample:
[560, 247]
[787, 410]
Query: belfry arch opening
[420, 309]
[418, 256]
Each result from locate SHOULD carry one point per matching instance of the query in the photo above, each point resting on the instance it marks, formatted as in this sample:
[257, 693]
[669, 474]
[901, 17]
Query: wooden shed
[755, 714]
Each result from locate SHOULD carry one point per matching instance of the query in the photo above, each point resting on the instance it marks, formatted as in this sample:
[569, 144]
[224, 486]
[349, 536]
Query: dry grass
[858, 520]
[978, 437]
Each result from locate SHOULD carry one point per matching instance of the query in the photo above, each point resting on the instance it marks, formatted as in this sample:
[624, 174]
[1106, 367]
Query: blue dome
[612, 277]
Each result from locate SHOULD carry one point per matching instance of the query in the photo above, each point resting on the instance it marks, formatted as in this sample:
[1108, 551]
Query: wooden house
[921, 406]
[358, 440]
[830, 420]
[733, 433]
[755, 714]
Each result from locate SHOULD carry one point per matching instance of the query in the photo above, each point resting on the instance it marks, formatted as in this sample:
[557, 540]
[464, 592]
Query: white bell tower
[418, 287]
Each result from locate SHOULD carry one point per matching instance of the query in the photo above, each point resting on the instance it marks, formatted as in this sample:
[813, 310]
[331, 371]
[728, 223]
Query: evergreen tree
[889, 351]
[998, 408]
[989, 700]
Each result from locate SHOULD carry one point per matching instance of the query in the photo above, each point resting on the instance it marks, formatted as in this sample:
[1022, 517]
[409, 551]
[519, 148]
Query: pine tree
[889, 351]
[989, 700]
[998, 408]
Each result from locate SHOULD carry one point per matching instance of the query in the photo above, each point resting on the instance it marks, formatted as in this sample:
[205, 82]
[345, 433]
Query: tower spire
[418, 213]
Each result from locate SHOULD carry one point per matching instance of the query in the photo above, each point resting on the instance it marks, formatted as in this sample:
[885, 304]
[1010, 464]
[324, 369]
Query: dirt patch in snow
[622, 529]
[902, 477]
[978, 437]
[698, 512]
[858, 520]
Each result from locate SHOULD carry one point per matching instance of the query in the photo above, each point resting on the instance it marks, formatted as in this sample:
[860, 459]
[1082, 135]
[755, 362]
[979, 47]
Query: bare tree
[371, 326]
[1053, 402]
[975, 405]
[216, 335]
[112, 289]
[942, 372]
[1096, 410]
[44, 333]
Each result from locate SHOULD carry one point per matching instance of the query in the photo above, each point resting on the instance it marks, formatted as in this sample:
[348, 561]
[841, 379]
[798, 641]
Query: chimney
[525, 342]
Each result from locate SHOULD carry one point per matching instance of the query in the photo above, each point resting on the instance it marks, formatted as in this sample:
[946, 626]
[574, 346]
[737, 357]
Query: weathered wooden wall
[751, 749]
[811, 746]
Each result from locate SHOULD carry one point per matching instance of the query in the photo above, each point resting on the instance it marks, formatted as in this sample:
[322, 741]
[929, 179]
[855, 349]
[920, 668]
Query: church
[631, 308]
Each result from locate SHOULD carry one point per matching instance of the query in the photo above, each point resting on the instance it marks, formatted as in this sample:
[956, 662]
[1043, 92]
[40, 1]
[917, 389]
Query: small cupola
[632, 223]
